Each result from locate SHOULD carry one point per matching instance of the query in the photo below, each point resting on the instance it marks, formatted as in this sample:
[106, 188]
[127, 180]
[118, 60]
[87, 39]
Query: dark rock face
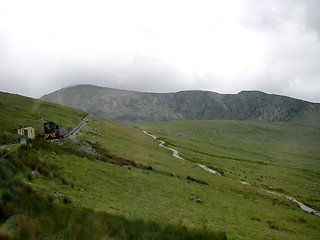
[131, 106]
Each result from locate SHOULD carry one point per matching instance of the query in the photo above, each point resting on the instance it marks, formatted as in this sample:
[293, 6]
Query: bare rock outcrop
[131, 106]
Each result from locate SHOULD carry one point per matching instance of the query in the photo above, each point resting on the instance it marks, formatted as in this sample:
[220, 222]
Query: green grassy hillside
[165, 193]
[17, 111]
[39, 197]
[25, 214]
[280, 156]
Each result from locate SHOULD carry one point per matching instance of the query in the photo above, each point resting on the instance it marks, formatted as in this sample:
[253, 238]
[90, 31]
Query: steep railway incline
[77, 128]
[71, 133]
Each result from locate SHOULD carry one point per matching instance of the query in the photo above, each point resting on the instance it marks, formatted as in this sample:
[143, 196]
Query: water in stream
[175, 154]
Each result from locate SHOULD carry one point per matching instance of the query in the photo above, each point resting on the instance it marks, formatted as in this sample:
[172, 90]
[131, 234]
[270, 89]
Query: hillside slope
[17, 111]
[254, 152]
[40, 181]
[131, 106]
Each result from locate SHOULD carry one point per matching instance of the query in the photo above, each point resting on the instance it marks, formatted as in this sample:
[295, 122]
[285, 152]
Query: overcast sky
[161, 46]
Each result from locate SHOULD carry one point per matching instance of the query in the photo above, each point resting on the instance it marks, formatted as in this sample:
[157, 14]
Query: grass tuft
[196, 180]
[66, 200]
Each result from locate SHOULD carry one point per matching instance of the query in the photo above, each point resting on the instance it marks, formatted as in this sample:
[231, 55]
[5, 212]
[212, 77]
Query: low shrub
[29, 228]
[7, 209]
[219, 170]
[29, 176]
[4, 236]
[66, 182]
[196, 180]
[302, 220]
[43, 169]
[106, 156]
[255, 219]
[6, 138]
[50, 197]
[66, 200]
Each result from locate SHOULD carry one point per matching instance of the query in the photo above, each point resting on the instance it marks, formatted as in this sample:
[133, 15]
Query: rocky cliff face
[131, 106]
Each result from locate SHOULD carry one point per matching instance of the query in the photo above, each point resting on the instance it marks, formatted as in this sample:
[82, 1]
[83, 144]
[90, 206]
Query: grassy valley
[165, 194]
[279, 156]
[118, 181]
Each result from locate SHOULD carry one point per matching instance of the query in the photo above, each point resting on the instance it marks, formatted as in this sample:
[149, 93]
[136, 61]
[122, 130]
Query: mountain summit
[132, 106]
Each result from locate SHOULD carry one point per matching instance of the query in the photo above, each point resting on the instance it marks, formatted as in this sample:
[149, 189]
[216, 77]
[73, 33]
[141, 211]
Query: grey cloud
[287, 29]
[262, 15]
[290, 29]
[274, 15]
[130, 72]
[312, 16]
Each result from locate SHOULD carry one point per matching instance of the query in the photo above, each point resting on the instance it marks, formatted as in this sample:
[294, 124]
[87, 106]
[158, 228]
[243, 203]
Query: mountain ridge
[134, 106]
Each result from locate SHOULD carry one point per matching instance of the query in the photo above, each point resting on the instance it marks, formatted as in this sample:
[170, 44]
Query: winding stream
[301, 205]
[175, 154]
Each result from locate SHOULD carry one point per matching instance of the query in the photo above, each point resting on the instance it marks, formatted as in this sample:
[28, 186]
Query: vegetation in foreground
[28, 215]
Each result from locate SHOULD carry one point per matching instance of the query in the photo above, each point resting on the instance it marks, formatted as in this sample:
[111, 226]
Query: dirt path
[175, 154]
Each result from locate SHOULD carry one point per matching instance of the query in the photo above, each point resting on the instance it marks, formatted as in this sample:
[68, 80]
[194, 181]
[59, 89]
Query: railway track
[77, 128]
[71, 133]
